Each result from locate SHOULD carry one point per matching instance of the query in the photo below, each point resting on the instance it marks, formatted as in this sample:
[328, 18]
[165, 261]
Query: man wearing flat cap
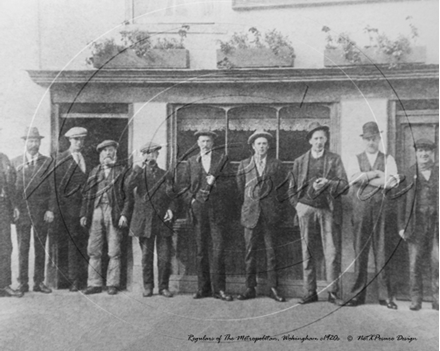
[371, 173]
[207, 181]
[418, 221]
[70, 171]
[105, 211]
[8, 213]
[153, 218]
[316, 182]
[258, 178]
[33, 190]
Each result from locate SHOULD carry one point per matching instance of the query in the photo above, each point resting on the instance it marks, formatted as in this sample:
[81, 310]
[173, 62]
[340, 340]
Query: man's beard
[109, 161]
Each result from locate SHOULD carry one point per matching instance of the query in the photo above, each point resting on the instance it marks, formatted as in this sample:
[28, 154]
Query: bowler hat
[105, 144]
[314, 127]
[76, 132]
[205, 132]
[370, 129]
[259, 134]
[150, 147]
[32, 132]
[424, 143]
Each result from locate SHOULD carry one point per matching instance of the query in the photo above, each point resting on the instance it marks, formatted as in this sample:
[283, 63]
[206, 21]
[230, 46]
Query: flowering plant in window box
[343, 51]
[240, 51]
[138, 50]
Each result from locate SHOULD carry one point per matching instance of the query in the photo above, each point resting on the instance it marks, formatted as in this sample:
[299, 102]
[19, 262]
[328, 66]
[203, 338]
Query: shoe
[9, 292]
[24, 288]
[200, 294]
[333, 297]
[92, 290]
[222, 296]
[435, 306]
[42, 288]
[390, 304]
[309, 298]
[415, 306]
[276, 296]
[349, 303]
[248, 294]
[112, 290]
[74, 287]
[166, 293]
[147, 292]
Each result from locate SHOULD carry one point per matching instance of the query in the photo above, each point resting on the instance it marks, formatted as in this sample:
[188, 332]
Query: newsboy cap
[32, 132]
[205, 132]
[150, 147]
[424, 143]
[314, 127]
[106, 143]
[370, 129]
[76, 132]
[259, 134]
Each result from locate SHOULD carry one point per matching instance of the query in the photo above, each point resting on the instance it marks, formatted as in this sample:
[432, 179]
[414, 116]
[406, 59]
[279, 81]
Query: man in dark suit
[315, 184]
[33, 189]
[418, 220]
[105, 212]
[258, 178]
[207, 182]
[153, 218]
[8, 212]
[70, 171]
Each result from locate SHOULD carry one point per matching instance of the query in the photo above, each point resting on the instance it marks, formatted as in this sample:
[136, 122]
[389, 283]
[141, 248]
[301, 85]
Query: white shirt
[353, 165]
[261, 164]
[32, 159]
[426, 174]
[317, 154]
[79, 159]
[206, 161]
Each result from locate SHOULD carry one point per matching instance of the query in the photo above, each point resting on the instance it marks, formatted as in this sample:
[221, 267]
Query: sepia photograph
[219, 175]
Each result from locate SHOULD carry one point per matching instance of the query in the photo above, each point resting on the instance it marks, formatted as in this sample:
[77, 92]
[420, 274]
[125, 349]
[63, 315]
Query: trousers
[5, 245]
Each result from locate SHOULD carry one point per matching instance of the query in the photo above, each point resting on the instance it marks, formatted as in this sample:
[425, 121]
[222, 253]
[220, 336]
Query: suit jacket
[7, 186]
[69, 181]
[119, 197]
[407, 199]
[216, 196]
[153, 196]
[333, 170]
[33, 188]
[260, 194]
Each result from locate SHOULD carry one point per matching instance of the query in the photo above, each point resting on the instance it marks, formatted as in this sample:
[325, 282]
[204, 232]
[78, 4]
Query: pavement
[72, 321]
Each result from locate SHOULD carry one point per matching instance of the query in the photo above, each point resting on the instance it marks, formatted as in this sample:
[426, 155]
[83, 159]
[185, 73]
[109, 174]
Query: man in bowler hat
[258, 178]
[418, 221]
[315, 184]
[207, 181]
[105, 211]
[153, 215]
[33, 189]
[370, 173]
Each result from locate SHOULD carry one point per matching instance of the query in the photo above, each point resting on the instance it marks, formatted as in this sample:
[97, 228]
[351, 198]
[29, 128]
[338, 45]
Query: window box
[154, 58]
[255, 58]
[372, 56]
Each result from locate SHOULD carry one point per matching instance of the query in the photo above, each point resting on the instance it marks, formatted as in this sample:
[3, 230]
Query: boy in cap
[258, 178]
[418, 221]
[153, 218]
[33, 189]
[104, 212]
[315, 184]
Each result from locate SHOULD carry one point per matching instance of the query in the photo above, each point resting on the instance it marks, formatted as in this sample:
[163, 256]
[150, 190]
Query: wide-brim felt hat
[424, 143]
[206, 133]
[314, 127]
[150, 147]
[105, 144]
[32, 132]
[259, 134]
[76, 132]
[370, 129]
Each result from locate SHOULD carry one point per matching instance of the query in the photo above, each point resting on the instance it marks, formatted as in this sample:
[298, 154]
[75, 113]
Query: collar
[315, 154]
[29, 157]
[257, 158]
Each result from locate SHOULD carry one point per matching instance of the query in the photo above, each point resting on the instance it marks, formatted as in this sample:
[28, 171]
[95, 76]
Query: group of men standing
[88, 207]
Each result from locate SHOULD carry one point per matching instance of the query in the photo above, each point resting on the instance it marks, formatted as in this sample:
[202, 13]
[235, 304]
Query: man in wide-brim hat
[369, 172]
[34, 190]
[258, 177]
[316, 182]
[418, 221]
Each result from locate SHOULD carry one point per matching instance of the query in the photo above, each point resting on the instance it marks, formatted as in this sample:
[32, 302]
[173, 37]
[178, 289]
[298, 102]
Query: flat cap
[205, 132]
[314, 127]
[259, 134]
[76, 132]
[106, 143]
[150, 147]
[32, 132]
[424, 143]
